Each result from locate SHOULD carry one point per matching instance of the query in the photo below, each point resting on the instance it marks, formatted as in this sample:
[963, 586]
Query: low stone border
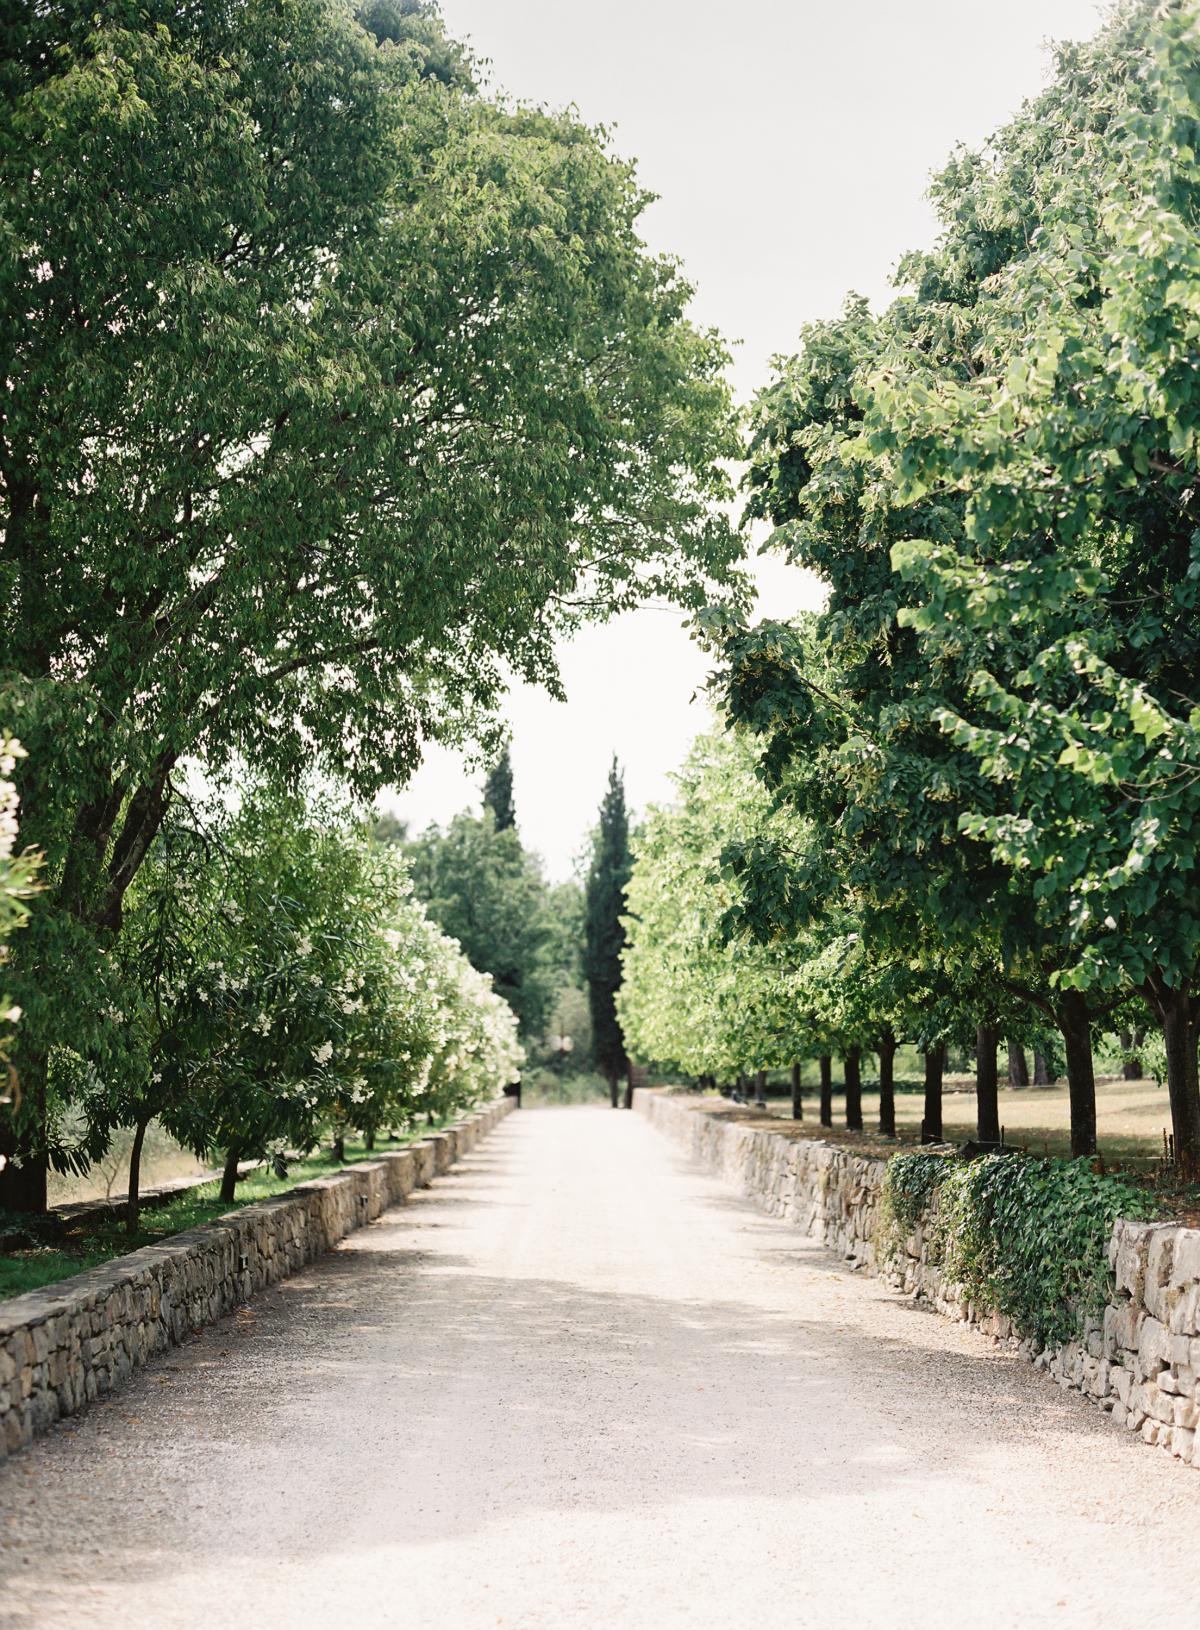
[81, 1338]
[1140, 1361]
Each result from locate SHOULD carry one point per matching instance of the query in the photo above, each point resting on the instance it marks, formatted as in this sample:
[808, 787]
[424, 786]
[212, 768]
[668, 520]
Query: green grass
[87, 1244]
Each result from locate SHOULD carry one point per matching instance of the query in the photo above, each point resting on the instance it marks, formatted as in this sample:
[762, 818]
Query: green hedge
[1025, 1236]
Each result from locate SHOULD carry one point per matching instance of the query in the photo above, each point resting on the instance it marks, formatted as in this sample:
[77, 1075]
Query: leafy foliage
[1027, 1237]
[17, 879]
[485, 890]
[279, 980]
[307, 452]
[991, 722]
[695, 997]
[604, 929]
[498, 792]
[909, 1183]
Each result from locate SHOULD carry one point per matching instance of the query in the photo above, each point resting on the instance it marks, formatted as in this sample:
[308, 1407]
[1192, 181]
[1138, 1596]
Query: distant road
[580, 1383]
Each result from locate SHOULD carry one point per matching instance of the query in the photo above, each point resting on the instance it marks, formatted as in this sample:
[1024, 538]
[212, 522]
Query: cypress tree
[498, 793]
[608, 876]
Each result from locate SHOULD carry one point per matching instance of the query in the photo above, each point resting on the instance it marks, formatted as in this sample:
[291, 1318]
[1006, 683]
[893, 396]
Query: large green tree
[335, 392]
[1072, 594]
[604, 931]
[485, 890]
[916, 439]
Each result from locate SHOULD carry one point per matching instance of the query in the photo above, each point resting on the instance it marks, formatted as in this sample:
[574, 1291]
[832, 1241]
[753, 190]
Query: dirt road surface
[580, 1383]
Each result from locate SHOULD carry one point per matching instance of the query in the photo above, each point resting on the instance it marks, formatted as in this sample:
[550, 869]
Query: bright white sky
[789, 142]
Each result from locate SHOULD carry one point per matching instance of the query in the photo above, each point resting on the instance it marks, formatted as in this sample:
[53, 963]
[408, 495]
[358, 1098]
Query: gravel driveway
[579, 1383]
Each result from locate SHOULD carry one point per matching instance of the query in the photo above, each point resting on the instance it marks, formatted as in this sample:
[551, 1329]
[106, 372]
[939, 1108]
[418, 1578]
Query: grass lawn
[1130, 1117]
[89, 1243]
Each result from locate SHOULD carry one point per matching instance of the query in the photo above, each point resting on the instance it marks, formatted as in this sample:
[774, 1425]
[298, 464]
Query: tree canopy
[988, 722]
[483, 888]
[337, 392]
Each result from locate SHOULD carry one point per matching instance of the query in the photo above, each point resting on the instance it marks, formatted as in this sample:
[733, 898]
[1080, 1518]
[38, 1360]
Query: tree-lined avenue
[580, 1382]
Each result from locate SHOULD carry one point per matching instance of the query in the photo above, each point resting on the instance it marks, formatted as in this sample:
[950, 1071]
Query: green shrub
[908, 1183]
[1026, 1237]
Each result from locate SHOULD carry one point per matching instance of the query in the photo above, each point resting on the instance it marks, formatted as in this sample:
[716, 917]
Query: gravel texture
[579, 1383]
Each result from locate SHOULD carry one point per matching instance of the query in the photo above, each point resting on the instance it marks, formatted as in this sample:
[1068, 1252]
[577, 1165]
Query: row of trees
[304, 453]
[981, 761]
[275, 982]
[716, 992]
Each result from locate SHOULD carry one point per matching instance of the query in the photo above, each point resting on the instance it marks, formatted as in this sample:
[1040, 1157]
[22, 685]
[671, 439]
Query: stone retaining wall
[79, 1339]
[1140, 1361]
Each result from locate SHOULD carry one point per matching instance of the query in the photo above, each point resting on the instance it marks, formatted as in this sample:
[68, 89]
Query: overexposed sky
[790, 146]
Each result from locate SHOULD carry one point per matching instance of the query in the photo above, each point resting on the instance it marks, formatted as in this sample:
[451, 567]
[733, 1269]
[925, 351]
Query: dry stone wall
[1140, 1361]
[80, 1339]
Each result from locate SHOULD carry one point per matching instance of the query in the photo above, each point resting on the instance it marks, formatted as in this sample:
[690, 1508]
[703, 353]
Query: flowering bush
[16, 884]
[283, 982]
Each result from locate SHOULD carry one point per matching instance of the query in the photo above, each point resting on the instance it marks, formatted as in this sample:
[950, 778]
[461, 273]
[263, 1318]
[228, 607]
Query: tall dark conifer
[608, 876]
[498, 793]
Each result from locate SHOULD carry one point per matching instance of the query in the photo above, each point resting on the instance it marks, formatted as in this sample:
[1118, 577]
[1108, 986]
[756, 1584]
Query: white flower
[323, 1053]
[262, 1024]
[304, 945]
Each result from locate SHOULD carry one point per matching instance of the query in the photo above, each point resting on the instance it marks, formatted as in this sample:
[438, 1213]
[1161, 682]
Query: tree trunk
[987, 1100]
[1076, 1028]
[1131, 1043]
[935, 1068]
[852, 1072]
[1041, 1070]
[1179, 1013]
[797, 1093]
[613, 1095]
[760, 1089]
[826, 1090]
[338, 1152]
[887, 1084]
[369, 1138]
[1018, 1070]
[229, 1176]
[23, 1187]
[629, 1086]
[134, 1199]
